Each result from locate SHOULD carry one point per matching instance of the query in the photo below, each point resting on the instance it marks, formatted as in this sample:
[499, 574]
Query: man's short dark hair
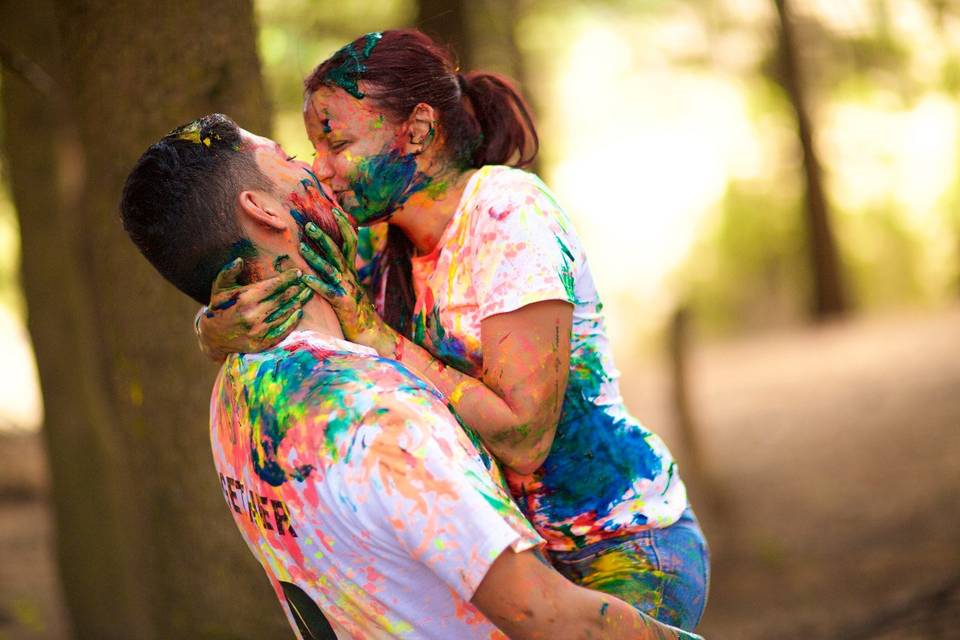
[179, 202]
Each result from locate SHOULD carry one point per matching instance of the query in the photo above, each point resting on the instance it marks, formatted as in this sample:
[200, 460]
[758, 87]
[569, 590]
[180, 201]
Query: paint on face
[311, 203]
[349, 72]
[382, 184]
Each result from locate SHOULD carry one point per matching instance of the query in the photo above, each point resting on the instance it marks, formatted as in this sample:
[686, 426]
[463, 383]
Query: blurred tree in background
[750, 269]
[146, 548]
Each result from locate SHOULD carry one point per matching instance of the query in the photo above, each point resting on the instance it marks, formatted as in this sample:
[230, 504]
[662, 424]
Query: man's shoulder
[308, 364]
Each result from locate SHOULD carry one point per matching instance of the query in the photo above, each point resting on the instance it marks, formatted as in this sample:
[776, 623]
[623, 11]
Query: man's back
[358, 491]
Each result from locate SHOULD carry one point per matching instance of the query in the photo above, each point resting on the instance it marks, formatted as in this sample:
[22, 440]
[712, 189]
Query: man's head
[209, 192]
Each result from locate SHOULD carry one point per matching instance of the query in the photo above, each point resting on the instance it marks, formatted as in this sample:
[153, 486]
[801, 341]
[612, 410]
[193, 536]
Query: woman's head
[389, 111]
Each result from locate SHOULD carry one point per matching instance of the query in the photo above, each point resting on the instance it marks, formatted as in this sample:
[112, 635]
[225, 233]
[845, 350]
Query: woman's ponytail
[508, 135]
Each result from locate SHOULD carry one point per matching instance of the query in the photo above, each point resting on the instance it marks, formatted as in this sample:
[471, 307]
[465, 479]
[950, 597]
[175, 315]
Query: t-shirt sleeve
[524, 249]
[436, 498]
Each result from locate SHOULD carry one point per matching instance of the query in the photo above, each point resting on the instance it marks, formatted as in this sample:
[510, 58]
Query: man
[373, 513]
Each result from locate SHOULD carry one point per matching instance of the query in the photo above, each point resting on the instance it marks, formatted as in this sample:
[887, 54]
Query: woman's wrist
[388, 343]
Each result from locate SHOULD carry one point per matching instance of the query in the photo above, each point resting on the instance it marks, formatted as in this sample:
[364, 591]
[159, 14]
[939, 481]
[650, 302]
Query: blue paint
[226, 304]
[597, 454]
[429, 331]
[383, 183]
[285, 385]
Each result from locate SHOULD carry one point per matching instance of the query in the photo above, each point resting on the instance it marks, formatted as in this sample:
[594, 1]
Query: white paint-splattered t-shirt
[509, 244]
[367, 504]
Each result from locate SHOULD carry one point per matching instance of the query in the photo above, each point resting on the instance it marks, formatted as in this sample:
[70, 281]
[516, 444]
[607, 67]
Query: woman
[483, 288]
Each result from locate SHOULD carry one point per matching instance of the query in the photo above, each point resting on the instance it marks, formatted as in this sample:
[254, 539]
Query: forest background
[769, 193]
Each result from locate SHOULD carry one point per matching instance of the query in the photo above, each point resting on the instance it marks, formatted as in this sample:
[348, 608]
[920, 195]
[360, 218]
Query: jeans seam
[659, 569]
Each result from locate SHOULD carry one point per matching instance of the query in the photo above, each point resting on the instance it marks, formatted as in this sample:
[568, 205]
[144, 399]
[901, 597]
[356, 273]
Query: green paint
[278, 262]
[566, 272]
[348, 73]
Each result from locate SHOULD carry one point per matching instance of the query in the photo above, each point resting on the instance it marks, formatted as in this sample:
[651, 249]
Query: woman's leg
[662, 572]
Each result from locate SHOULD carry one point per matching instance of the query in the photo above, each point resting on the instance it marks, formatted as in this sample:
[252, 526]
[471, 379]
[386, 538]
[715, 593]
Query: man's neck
[318, 316]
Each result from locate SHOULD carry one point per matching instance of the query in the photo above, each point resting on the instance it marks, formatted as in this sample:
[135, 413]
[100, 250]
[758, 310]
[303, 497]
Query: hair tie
[462, 83]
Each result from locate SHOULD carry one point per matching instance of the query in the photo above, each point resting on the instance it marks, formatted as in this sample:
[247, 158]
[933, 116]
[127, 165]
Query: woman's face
[360, 154]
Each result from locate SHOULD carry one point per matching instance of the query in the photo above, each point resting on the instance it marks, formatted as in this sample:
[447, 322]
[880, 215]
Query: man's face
[296, 188]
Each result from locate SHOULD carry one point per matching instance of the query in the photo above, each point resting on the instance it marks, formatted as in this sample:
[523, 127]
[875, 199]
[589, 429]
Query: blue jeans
[665, 573]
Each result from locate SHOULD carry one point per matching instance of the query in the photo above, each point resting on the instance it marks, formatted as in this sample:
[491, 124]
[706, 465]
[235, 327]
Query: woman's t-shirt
[509, 244]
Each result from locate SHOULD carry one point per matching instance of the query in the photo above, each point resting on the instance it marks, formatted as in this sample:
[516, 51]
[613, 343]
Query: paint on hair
[349, 72]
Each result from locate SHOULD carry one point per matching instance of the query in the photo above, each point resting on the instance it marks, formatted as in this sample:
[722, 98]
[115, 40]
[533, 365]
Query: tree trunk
[446, 21]
[146, 546]
[829, 298]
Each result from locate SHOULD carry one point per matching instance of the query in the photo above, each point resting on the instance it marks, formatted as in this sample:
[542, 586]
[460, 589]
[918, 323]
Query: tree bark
[146, 546]
[829, 297]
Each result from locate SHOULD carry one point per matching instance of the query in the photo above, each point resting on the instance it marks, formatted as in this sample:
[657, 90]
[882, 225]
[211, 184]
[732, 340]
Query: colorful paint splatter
[348, 73]
[382, 183]
[664, 573]
[509, 244]
[350, 479]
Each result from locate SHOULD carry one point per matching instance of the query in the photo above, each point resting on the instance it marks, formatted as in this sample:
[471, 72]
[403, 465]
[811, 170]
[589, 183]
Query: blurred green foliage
[748, 269]
[296, 35]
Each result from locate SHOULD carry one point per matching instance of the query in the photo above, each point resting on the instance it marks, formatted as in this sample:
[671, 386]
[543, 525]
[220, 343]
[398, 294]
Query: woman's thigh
[662, 572]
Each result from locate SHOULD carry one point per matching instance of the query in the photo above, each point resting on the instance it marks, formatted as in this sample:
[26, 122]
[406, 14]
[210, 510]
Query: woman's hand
[251, 318]
[336, 281]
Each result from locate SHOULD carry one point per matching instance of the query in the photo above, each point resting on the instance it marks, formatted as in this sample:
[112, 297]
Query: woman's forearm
[518, 443]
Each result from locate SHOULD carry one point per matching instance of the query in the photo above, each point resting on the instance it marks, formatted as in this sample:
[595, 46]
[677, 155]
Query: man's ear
[420, 128]
[260, 208]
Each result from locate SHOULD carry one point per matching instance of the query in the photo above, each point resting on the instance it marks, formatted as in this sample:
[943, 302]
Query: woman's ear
[260, 208]
[421, 128]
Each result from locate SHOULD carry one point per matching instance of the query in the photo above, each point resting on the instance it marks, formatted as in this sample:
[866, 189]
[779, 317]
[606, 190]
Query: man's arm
[528, 600]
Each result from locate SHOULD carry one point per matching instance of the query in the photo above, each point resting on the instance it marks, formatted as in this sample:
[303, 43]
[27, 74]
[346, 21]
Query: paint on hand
[349, 72]
[226, 304]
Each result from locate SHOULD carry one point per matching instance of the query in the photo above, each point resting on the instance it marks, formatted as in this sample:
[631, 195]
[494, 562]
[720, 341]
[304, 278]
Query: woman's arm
[516, 403]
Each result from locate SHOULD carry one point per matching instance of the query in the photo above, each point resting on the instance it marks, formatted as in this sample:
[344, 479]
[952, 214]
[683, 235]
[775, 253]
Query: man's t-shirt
[368, 505]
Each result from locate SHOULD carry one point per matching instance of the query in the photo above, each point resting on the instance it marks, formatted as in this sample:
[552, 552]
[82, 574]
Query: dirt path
[31, 605]
[835, 454]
